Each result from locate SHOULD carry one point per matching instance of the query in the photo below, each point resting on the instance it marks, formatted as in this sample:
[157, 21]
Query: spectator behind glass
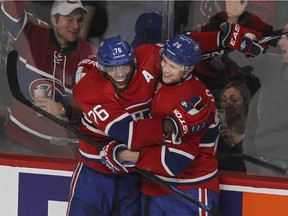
[215, 72]
[266, 130]
[48, 59]
[234, 103]
[95, 22]
[200, 12]
[148, 28]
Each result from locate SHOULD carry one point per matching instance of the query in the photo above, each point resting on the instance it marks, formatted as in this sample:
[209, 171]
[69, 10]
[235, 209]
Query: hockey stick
[17, 94]
[271, 38]
[260, 41]
[261, 163]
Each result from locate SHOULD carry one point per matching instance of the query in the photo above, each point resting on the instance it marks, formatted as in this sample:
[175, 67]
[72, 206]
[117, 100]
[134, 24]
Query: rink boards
[37, 187]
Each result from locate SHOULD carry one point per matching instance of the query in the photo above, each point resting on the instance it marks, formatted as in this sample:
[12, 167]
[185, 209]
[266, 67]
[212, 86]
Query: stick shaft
[271, 38]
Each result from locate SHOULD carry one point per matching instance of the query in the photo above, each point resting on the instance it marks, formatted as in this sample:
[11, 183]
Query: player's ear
[191, 68]
[188, 70]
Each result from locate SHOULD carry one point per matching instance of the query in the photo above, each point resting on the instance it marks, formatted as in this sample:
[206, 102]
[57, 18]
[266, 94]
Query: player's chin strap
[16, 92]
[186, 72]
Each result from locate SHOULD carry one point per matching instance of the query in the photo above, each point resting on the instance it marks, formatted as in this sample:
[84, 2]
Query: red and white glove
[191, 116]
[109, 157]
[242, 39]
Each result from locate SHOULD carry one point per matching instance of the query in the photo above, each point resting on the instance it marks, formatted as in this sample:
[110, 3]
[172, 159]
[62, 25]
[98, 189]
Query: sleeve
[15, 9]
[22, 26]
[207, 99]
[96, 97]
[14, 17]
[209, 40]
[171, 160]
[72, 110]
[168, 159]
[252, 21]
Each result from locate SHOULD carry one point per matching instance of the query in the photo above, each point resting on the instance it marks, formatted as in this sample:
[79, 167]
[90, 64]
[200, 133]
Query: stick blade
[13, 78]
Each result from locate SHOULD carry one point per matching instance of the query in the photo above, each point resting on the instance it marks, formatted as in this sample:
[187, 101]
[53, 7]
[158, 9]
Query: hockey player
[48, 58]
[192, 165]
[113, 109]
[113, 93]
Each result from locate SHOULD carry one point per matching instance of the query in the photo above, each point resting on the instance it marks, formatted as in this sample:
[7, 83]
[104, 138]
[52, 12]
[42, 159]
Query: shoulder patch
[87, 62]
[83, 67]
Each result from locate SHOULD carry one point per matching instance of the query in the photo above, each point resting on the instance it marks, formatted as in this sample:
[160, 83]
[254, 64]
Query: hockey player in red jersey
[192, 164]
[112, 107]
[114, 92]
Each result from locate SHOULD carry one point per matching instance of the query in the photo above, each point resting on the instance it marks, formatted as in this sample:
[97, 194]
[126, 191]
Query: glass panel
[25, 132]
[261, 146]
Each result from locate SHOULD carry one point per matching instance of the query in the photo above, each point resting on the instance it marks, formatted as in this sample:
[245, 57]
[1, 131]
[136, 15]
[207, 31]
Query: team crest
[196, 47]
[52, 90]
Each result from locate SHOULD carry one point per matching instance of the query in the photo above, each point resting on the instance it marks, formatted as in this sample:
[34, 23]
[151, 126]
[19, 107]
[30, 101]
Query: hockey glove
[109, 157]
[191, 116]
[239, 38]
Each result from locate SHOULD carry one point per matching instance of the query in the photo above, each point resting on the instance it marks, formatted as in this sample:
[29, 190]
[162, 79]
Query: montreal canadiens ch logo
[54, 91]
[208, 7]
[196, 47]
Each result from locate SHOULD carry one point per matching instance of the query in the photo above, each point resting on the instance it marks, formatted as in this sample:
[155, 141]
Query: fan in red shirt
[48, 59]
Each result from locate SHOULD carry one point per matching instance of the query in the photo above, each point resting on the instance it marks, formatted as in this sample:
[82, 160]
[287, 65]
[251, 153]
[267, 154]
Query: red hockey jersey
[109, 115]
[191, 164]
